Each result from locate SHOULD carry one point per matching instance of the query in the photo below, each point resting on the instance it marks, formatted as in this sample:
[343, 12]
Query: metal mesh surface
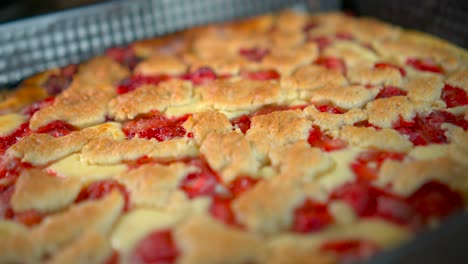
[49, 41]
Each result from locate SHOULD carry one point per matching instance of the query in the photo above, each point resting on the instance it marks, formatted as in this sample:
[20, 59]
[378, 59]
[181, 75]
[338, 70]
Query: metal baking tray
[32, 45]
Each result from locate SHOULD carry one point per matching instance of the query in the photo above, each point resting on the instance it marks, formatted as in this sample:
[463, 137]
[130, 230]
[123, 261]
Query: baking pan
[36, 44]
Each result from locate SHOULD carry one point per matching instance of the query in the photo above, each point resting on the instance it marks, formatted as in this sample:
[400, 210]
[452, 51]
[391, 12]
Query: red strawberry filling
[390, 91]
[424, 65]
[221, 205]
[435, 200]
[263, 75]
[11, 168]
[454, 96]
[99, 189]
[28, 218]
[254, 54]
[200, 183]
[57, 83]
[114, 258]
[432, 200]
[123, 55]
[56, 129]
[201, 76]
[351, 250]
[383, 65]
[156, 126]
[8, 141]
[156, 248]
[330, 109]
[136, 81]
[311, 216]
[325, 142]
[426, 130]
[309, 26]
[322, 42]
[33, 108]
[332, 64]
[344, 36]
[367, 165]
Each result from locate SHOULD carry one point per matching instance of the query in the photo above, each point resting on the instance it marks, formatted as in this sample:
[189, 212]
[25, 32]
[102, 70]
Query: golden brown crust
[347, 97]
[386, 111]
[230, 154]
[204, 123]
[154, 185]
[90, 248]
[149, 97]
[37, 190]
[235, 95]
[41, 149]
[368, 137]
[276, 129]
[202, 239]
[98, 216]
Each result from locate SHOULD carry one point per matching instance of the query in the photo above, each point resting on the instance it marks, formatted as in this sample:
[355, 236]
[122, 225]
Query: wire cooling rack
[58, 39]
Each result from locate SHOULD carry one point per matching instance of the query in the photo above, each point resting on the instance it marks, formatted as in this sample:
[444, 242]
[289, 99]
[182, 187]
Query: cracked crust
[38, 190]
[155, 185]
[149, 97]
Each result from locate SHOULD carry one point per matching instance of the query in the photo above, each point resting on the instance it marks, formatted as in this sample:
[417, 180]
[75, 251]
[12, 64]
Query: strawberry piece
[322, 42]
[57, 83]
[136, 81]
[56, 129]
[367, 164]
[332, 64]
[155, 126]
[263, 75]
[11, 168]
[156, 248]
[99, 189]
[324, 142]
[424, 65]
[426, 130]
[221, 210]
[254, 54]
[201, 183]
[201, 76]
[329, 109]
[454, 96]
[6, 191]
[241, 184]
[311, 216]
[242, 122]
[309, 26]
[29, 218]
[435, 200]
[33, 108]
[114, 258]
[123, 55]
[390, 91]
[383, 65]
[350, 251]
[8, 141]
[344, 36]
